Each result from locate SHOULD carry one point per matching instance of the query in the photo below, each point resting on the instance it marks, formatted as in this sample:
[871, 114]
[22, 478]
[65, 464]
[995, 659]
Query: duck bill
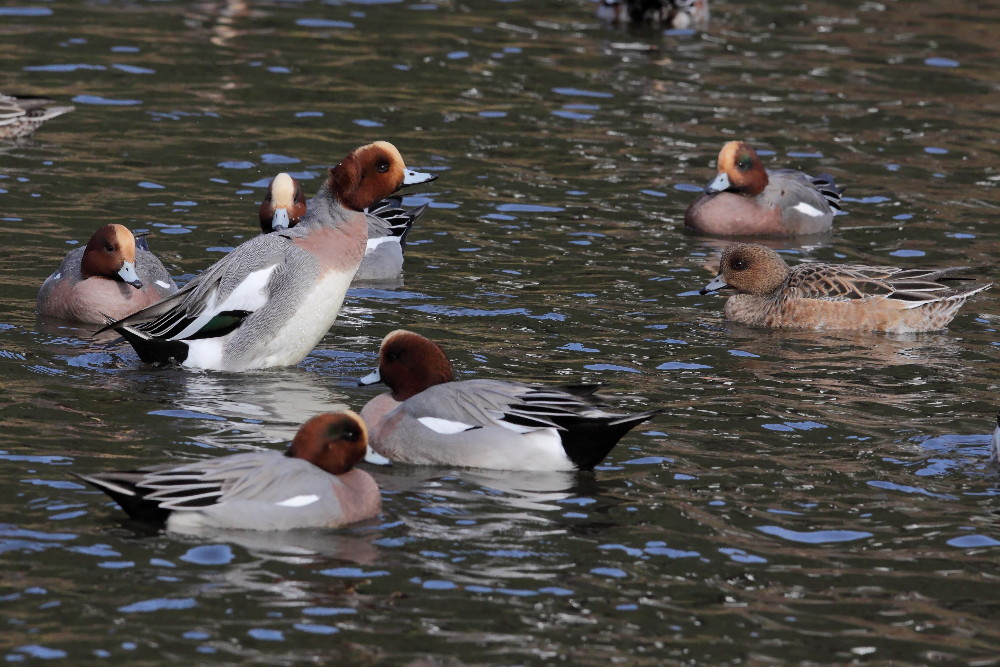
[280, 220]
[127, 274]
[373, 457]
[714, 286]
[718, 184]
[372, 378]
[411, 177]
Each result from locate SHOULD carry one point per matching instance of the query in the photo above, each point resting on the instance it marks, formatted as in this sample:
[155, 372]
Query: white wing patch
[163, 284]
[444, 426]
[299, 501]
[811, 211]
[249, 295]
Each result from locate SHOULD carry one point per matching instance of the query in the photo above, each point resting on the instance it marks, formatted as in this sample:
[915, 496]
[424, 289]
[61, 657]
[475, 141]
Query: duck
[744, 199]
[283, 205]
[388, 225]
[314, 484]
[675, 14]
[114, 275]
[429, 418]
[270, 301]
[21, 116]
[815, 295]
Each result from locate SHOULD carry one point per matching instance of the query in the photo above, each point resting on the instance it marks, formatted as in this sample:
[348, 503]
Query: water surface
[804, 497]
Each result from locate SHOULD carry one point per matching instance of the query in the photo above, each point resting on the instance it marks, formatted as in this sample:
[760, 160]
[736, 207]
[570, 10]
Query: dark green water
[804, 497]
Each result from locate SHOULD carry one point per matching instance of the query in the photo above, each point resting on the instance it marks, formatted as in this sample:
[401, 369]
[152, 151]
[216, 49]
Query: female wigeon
[834, 296]
[388, 224]
[745, 199]
[312, 485]
[269, 301]
[20, 116]
[109, 277]
[429, 418]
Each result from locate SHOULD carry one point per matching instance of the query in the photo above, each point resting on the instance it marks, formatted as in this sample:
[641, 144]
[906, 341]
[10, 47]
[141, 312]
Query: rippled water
[804, 497]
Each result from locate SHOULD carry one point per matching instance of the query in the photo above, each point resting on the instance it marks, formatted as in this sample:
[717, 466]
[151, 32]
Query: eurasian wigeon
[109, 277]
[20, 116]
[388, 224]
[429, 418]
[312, 485]
[676, 14]
[270, 301]
[745, 199]
[815, 295]
[284, 204]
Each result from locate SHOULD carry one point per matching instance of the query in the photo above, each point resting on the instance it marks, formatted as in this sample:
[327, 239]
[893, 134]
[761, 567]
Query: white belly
[296, 338]
[300, 334]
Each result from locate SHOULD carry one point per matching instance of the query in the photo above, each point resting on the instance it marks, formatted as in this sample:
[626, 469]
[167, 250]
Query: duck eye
[392, 356]
[745, 163]
[383, 167]
[109, 247]
[738, 264]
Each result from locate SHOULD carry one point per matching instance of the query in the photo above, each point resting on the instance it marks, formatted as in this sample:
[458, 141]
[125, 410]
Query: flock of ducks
[271, 299]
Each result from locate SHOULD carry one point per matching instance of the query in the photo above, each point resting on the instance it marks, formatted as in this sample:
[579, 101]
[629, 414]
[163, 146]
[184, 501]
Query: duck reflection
[256, 571]
[469, 487]
[254, 409]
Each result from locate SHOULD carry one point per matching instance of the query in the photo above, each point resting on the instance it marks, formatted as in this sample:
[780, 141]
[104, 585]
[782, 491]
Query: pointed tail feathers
[154, 350]
[588, 440]
[121, 487]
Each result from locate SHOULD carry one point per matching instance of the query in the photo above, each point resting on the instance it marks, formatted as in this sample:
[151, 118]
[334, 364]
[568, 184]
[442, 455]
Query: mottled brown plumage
[20, 116]
[834, 296]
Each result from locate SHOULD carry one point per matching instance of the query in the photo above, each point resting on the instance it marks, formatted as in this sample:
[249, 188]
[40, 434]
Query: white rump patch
[444, 426]
[299, 501]
[811, 211]
[163, 284]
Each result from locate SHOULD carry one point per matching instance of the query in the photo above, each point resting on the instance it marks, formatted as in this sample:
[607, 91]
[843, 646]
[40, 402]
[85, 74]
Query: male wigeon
[109, 277]
[745, 199]
[312, 485]
[284, 204]
[677, 14]
[20, 116]
[815, 295]
[270, 301]
[429, 418]
[388, 224]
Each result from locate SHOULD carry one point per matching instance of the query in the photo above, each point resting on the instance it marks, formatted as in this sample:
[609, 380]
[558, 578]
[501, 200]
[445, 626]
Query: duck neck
[327, 209]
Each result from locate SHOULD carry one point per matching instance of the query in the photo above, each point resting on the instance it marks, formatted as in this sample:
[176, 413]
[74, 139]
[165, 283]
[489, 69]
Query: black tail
[588, 440]
[121, 486]
[154, 350]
